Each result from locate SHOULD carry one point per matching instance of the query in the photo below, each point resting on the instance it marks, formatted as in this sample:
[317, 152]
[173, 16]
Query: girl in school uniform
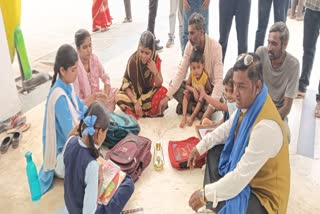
[62, 111]
[83, 176]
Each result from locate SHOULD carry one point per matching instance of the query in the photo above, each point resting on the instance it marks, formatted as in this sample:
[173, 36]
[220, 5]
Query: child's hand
[100, 177]
[202, 92]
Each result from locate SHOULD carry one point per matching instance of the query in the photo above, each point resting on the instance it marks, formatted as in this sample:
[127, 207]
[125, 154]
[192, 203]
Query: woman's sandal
[16, 138]
[301, 95]
[5, 144]
[21, 128]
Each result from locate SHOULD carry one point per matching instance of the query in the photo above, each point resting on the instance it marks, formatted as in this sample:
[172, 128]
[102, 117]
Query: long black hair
[66, 57]
[80, 36]
[102, 122]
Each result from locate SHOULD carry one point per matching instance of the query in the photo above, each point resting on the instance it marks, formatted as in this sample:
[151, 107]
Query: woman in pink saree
[101, 18]
[90, 71]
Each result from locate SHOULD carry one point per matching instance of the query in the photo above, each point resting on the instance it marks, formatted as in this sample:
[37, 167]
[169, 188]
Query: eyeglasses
[247, 59]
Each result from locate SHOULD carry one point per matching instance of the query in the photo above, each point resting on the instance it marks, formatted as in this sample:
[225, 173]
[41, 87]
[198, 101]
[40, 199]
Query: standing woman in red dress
[101, 18]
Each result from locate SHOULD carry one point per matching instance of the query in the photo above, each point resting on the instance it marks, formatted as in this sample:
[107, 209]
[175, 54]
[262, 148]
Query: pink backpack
[132, 154]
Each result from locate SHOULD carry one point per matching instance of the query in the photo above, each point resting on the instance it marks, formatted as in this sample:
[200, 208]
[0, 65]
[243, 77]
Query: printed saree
[101, 18]
[140, 80]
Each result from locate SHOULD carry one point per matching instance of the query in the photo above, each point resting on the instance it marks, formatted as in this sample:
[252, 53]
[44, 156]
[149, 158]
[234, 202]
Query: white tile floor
[167, 191]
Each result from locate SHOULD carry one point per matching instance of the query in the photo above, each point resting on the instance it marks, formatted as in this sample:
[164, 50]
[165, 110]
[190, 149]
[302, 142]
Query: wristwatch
[203, 195]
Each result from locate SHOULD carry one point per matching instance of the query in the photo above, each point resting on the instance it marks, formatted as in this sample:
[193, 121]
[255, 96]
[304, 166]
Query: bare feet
[104, 29]
[183, 122]
[292, 16]
[300, 18]
[190, 121]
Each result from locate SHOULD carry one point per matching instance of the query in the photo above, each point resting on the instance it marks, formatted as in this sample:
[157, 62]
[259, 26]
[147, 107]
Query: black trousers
[241, 10]
[310, 37]
[127, 6]
[212, 175]
[153, 7]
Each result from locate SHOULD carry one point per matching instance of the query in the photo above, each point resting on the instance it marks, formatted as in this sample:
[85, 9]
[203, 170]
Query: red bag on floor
[132, 154]
[179, 153]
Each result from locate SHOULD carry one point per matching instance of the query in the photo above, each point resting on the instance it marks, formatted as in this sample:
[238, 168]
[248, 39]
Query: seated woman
[63, 108]
[81, 195]
[90, 70]
[142, 89]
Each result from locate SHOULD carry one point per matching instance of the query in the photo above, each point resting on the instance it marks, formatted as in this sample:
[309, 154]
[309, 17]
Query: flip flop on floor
[16, 138]
[21, 128]
[5, 144]
[301, 95]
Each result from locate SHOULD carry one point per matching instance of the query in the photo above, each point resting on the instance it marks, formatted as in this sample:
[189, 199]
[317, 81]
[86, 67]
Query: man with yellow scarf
[247, 167]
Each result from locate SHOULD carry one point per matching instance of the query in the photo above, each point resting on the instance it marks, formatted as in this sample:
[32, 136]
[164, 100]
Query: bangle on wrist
[134, 101]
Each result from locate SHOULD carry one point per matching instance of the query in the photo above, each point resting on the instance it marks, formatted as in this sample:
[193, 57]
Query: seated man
[247, 167]
[212, 53]
[280, 70]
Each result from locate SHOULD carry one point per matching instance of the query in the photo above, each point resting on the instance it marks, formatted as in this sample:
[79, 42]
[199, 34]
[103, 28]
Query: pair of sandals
[12, 139]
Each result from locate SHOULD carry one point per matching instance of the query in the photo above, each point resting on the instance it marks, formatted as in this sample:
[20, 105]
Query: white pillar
[9, 100]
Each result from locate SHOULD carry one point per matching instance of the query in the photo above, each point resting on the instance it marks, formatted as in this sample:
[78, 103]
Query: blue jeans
[195, 6]
[280, 9]
[119, 199]
[310, 37]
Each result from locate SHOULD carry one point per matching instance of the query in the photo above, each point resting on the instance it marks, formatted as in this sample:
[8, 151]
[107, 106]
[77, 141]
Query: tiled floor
[167, 191]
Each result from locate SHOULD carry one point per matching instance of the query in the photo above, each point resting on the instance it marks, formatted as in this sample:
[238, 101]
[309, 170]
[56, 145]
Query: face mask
[97, 146]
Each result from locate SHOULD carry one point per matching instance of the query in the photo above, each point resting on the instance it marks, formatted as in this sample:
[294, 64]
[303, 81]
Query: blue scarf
[234, 149]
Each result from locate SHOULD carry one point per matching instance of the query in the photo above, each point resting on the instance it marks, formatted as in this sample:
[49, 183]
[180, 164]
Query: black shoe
[170, 43]
[16, 138]
[157, 41]
[158, 47]
[6, 142]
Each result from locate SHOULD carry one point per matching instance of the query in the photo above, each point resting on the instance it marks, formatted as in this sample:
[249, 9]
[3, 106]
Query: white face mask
[97, 146]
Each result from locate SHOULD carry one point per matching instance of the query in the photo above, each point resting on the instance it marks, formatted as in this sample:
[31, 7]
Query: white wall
[9, 101]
